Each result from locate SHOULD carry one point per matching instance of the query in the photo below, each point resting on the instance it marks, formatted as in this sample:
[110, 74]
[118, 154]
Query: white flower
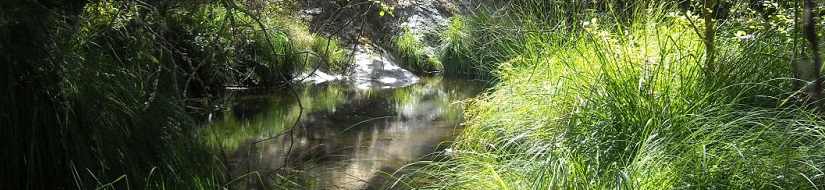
[742, 35]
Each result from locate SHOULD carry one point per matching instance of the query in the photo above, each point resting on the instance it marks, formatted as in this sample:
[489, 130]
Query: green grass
[109, 95]
[609, 105]
[455, 47]
[410, 49]
[106, 97]
[333, 53]
[315, 50]
[461, 54]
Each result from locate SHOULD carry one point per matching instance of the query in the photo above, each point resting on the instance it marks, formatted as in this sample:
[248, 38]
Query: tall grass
[607, 104]
[107, 95]
[455, 47]
[474, 44]
[314, 50]
[410, 49]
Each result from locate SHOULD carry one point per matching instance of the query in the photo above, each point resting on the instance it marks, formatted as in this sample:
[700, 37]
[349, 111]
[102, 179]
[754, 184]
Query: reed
[603, 103]
[109, 95]
[410, 49]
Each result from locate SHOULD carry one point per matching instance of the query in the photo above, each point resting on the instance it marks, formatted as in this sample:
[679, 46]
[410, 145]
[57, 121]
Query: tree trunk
[710, 35]
[809, 31]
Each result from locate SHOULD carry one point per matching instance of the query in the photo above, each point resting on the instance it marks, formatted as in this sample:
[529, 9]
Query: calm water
[340, 137]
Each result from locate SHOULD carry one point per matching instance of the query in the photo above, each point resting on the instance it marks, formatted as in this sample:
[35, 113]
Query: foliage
[334, 54]
[314, 50]
[385, 8]
[106, 95]
[456, 45]
[613, 105]
[410, 49]
[592, 94]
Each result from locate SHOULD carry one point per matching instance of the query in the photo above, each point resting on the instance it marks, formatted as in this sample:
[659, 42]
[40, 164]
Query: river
[337, 136]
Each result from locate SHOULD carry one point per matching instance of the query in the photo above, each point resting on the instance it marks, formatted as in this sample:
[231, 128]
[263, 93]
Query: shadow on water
[346, 138]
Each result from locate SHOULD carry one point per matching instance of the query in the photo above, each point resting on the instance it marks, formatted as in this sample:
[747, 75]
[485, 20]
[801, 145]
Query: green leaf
[381, 13]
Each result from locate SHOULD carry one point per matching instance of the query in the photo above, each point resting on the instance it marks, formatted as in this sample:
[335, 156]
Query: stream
[338, 136]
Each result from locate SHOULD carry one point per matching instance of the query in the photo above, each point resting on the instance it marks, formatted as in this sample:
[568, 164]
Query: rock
[426, 18]
[316, 77]
[374, 67]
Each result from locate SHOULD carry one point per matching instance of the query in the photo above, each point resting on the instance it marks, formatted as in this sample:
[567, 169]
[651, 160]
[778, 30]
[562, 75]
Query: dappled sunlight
[412, 94]
[375, 68]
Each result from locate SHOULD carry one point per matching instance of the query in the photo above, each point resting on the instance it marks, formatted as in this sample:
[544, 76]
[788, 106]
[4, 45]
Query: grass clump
[314, 50]
[455, 46]
[473, 45]
[465, 42]
[413, 55]
[632, 106]
[334, 54]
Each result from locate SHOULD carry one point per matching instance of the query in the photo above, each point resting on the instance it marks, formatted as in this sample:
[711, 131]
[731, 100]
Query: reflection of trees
[346, 135]
[247, 107]
[261, 115]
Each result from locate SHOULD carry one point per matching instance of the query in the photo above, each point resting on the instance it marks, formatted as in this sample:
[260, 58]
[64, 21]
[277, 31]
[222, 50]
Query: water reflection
[345, 138]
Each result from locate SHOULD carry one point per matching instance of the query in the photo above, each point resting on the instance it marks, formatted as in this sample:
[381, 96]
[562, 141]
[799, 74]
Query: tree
[809, 31]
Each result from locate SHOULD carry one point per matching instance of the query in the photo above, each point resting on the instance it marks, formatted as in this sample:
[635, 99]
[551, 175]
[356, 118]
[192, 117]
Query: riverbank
[600, 103]
[112, 94]
[589, 94]
[337, 135]
[107, 95]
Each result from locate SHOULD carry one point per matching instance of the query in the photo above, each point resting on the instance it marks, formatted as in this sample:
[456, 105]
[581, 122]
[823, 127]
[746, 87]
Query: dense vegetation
[105, 94]
[613, 94]
[637, 95]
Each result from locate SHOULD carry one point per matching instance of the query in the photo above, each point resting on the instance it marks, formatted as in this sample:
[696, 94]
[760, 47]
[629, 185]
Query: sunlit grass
[314, 49]
[410, 50]
[456, 46]
[611, 106]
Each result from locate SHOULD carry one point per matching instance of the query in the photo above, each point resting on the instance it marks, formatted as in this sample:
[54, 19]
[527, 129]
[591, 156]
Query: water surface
[337, 136]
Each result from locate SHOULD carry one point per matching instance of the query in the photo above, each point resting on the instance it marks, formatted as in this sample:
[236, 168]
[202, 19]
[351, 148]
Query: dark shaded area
[105, 93]
[32, 105]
